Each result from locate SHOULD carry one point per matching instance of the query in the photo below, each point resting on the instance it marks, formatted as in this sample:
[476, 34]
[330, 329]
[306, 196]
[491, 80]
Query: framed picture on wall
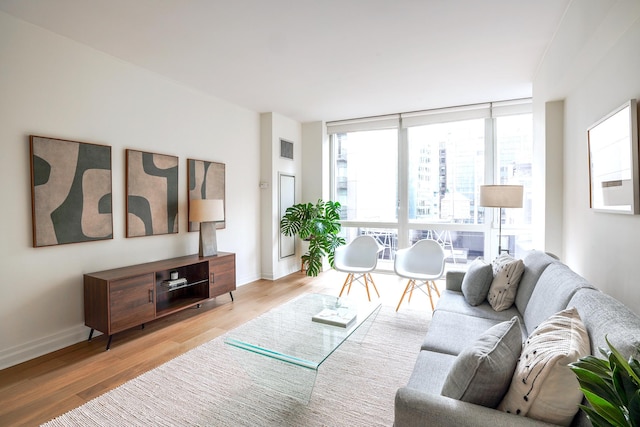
[206, 180]
[613, 161]
[152, 194]
[70, 191]
[287, 198]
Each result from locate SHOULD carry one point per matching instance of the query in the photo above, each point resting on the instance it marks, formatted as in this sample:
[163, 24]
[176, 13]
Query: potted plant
[612, 388]
[319, 224]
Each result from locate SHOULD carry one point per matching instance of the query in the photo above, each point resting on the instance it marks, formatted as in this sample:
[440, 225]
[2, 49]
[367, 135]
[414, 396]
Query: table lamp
[501, 196]
[207, 212]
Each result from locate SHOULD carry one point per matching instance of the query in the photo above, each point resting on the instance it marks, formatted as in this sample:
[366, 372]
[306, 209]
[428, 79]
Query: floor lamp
[501, 196]
[207, 212]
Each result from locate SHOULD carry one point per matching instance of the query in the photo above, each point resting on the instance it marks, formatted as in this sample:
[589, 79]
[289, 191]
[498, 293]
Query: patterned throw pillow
[482, 372]
[543, 387]
[476, 282]
[507, 272]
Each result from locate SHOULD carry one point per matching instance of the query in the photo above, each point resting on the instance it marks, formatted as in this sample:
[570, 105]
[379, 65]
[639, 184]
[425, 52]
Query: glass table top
[288, 333]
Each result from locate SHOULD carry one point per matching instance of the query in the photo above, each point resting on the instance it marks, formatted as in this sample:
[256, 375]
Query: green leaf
[634, 409]
[594, 417]
[594, 383]
[613, 414]
[621, 361]
[598, 366]
[623, 385]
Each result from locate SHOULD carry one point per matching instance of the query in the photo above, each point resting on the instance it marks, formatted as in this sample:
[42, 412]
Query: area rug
[206, 386]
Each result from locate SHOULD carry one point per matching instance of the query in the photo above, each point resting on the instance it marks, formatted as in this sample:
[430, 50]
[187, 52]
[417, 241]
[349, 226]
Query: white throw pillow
[507, 272]
[543, 387]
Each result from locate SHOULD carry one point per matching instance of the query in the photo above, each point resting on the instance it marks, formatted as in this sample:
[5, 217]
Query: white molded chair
[422, 264]
[358, 259]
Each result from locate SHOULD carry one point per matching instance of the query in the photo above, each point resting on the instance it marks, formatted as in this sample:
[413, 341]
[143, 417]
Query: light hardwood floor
[36, 391]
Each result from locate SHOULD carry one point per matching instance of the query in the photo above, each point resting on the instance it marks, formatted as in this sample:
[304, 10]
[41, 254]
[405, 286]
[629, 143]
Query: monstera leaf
[319, 224]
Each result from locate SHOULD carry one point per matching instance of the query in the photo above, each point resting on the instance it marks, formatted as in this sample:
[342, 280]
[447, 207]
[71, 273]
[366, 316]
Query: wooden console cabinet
[121, 298]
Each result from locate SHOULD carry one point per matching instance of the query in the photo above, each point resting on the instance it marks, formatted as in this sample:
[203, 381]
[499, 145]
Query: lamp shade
[501, 196]
[206, 210]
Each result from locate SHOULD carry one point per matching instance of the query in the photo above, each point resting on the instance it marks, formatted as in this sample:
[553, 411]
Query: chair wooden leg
[366, 286]
[430, 298]
[403, 294]
[374, 284]
[345, 284]
[413, 283]
[435, 287]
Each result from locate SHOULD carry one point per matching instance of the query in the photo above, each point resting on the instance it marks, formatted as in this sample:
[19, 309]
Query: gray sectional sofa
[547, 286]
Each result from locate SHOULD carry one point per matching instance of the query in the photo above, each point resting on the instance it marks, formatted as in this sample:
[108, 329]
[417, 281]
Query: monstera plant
[612, 388]
[317, 223]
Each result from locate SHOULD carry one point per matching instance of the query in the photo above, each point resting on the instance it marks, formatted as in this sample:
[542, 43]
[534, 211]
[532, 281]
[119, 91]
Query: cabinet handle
[212, 278]
[150, 295]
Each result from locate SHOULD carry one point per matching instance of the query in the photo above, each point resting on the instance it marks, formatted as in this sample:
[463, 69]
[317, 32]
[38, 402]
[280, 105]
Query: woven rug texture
[208, 386]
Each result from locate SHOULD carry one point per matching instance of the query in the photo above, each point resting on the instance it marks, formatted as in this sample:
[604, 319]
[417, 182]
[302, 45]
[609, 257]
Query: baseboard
[36, 348]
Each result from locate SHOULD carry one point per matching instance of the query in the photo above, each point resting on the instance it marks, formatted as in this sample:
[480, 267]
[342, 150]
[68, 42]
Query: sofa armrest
[453, 280]
[414, 408]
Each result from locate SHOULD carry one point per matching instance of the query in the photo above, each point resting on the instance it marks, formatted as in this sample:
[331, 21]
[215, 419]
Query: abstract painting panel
[206, 181]
[70, 191]
[152, 194]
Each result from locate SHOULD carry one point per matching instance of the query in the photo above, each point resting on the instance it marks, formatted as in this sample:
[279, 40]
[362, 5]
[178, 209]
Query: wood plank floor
[36, 391]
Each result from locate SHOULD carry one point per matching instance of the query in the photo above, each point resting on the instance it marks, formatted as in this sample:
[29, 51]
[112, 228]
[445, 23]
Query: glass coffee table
[284, 348]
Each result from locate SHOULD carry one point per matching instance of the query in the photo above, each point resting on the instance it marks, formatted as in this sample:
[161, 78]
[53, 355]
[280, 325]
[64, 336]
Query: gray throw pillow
[482, 373]
[476, 282]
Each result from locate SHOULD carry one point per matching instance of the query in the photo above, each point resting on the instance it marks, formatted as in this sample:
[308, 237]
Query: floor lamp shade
[207, 212]
[501, 196]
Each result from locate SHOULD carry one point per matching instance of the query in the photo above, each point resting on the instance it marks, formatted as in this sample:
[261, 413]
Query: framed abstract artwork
[152, 194]
[613, 161]
[206, 180]
[71, 197]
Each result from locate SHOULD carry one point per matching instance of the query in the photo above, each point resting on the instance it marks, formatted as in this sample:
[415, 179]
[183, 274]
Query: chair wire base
[351, 277]
[419, 284]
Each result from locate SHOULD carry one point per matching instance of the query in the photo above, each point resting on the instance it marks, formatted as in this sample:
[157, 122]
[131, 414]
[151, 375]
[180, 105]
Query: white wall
[275, 127]
[52, 86]
[594, 65]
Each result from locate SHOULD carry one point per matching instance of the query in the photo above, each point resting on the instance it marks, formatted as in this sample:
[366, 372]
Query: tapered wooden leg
[345, 284]
[403, 294]
[429, 292]
[366, 286]
[374, 284]
[413, 286]
[435, 287]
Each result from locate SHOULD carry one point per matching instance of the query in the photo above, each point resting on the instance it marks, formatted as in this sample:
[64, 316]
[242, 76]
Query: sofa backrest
[603, 316]
[534, 264]
[553, 291]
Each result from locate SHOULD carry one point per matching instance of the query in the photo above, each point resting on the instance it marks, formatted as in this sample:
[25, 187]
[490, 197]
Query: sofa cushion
[557, 284]
[506, 277]
[476, 282]
[482, 373]
[535, 262]
[456, 302]
[604, 316]
[543, 386]
[430, 371]
[451, 333]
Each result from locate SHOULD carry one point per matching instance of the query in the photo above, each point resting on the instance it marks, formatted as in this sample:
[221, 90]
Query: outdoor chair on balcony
[422, 264]
[358, 259]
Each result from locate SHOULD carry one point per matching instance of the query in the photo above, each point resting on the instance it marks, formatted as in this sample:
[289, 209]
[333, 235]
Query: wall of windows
[406, 177]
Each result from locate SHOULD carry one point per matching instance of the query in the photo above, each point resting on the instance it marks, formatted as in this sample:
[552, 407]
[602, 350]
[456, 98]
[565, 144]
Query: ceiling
[316, 60]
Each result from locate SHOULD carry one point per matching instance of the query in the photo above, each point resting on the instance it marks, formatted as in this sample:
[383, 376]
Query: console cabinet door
[222, 275]
[132, 301]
